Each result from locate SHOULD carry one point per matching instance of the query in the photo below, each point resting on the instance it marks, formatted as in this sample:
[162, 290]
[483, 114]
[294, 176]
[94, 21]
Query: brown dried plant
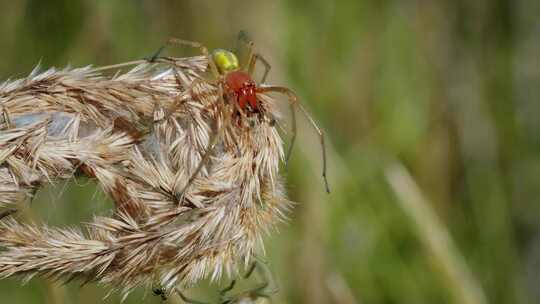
[141, 134]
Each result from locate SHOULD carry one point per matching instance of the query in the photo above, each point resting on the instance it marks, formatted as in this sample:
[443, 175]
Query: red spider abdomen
[243, 87]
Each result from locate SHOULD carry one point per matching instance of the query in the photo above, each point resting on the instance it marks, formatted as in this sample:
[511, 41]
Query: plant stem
[435, 237]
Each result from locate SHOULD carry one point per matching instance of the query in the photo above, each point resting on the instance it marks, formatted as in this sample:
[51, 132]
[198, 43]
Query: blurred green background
[447, 89]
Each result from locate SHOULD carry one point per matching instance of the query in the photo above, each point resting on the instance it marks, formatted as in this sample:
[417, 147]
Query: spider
[245, 296]
[160, 292]
[236, 85]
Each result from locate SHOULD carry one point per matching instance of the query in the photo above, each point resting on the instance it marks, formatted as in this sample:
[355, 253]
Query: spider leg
[266, 64]
[253, 294]
[258, 292]
[121, 65]
[210, 148]
[192, 85]
[251, 269]
[190, 88]
[193, 44]
[293, 137]
[206, 156]
[244, 38]
[293, 100]
[154, 57]
[242, 113]
[186, 299]
[228, 288]
[204, 50]
[268, 280]
[252, 57]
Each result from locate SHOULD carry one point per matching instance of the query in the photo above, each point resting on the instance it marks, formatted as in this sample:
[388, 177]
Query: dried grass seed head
[141, 134]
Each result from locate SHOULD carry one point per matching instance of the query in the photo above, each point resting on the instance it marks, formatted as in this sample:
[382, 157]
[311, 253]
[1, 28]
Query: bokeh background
[431, 111]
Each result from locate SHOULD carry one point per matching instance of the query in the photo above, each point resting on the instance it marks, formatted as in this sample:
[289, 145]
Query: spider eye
[225, 60]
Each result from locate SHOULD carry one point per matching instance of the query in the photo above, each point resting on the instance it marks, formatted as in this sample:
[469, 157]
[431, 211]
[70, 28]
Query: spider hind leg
[293, 101]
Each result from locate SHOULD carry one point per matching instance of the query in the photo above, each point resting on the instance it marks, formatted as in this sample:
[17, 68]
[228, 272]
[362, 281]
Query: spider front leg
[253, 57]
[193, 44]
[253, 61]
[293, 100]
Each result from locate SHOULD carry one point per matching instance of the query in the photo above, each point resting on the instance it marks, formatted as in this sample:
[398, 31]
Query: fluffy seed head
[140, 135]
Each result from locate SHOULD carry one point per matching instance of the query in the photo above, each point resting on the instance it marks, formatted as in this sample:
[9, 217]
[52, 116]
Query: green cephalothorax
[226, 61]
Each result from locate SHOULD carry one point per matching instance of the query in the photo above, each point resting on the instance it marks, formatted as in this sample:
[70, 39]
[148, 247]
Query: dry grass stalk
[140, 134]
[435, 237]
